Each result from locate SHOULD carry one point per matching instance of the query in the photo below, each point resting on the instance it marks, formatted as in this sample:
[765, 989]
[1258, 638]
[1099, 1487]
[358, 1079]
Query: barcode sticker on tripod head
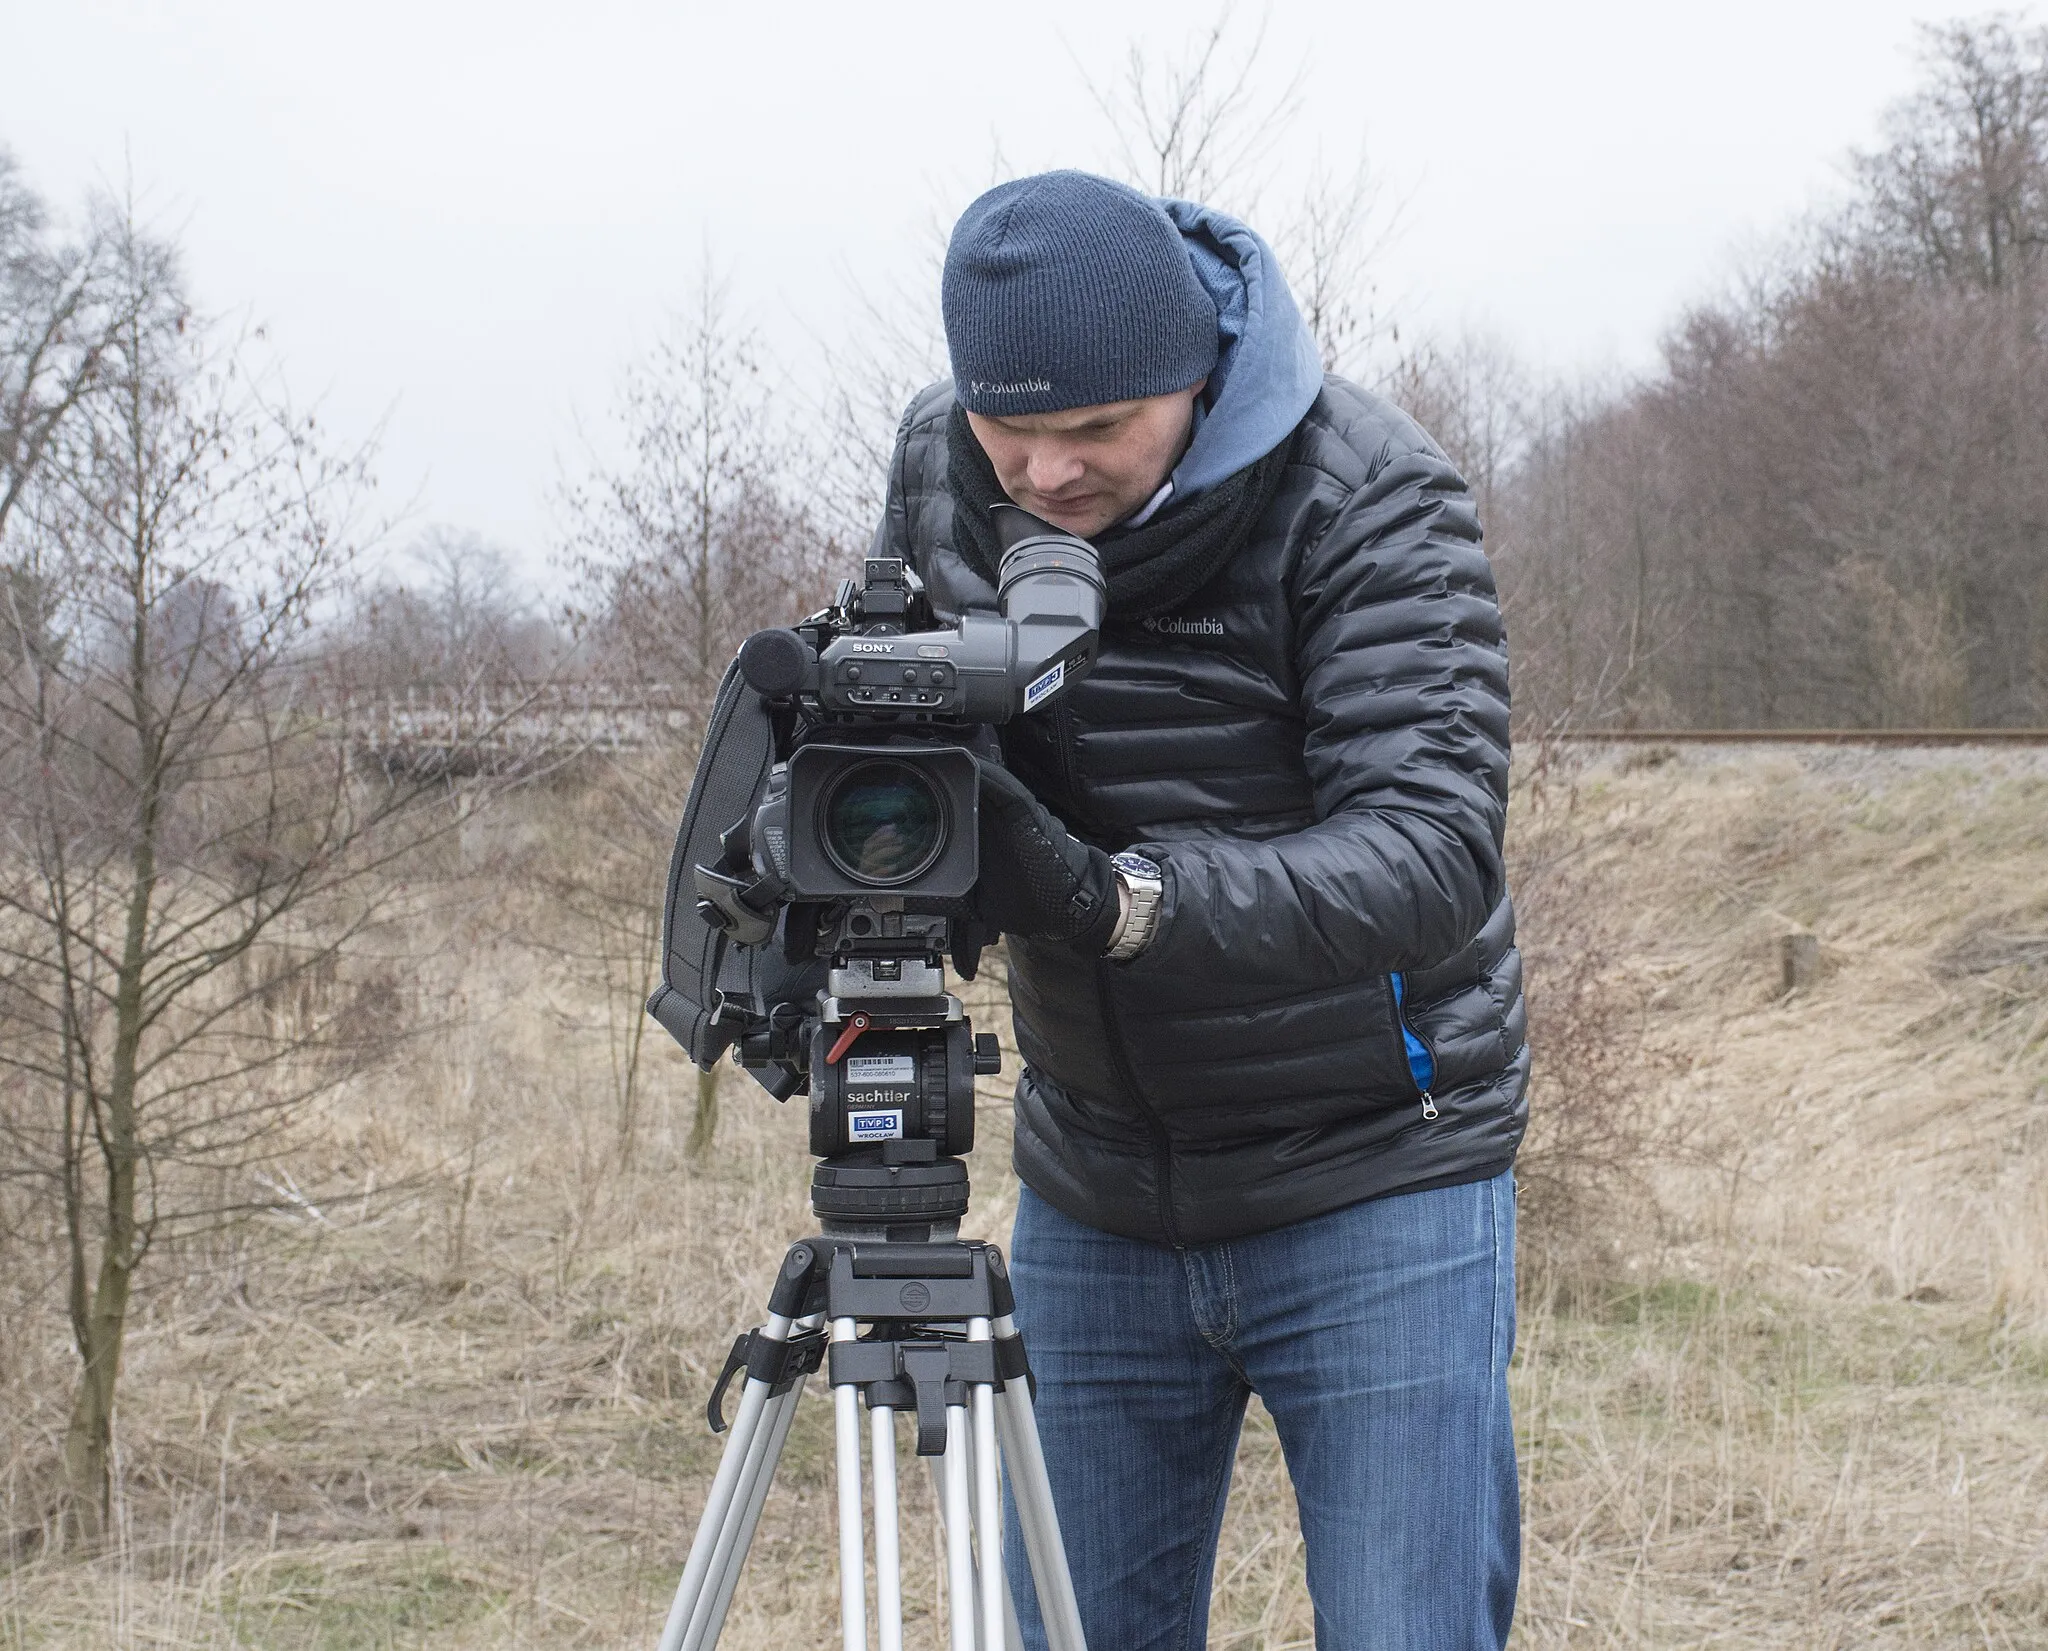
[874, 1069]
[875, 1126]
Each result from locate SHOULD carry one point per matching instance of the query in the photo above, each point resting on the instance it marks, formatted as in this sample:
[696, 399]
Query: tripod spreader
[898, 1288]
[780, 1364]
[899, 1370]
[900, 1325]
[890, 1282]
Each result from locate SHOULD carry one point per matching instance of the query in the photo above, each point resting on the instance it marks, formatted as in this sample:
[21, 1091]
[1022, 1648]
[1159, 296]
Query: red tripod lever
[854, 1028]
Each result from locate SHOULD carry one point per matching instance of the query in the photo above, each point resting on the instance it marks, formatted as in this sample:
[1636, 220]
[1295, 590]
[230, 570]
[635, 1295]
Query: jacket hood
[1269, 371]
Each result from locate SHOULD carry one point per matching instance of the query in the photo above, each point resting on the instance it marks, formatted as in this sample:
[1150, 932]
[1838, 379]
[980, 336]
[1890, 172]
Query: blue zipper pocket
[1421, 1063]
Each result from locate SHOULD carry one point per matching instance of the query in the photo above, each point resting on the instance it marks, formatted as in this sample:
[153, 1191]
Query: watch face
[1136, 864]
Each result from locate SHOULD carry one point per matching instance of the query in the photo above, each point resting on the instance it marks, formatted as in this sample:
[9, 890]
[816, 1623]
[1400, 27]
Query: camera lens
[882, 823]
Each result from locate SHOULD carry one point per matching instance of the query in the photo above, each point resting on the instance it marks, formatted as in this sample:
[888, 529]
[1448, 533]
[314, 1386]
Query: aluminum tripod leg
[853, 1568]
[1036, 1516]
[775, 1421]
[888, 1532]
[1012, 1632]
[988, 1501]
[958, 1518]
[717, 1523]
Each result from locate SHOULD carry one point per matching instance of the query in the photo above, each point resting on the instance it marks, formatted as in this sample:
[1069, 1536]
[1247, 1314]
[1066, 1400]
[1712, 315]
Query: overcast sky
[468, 217]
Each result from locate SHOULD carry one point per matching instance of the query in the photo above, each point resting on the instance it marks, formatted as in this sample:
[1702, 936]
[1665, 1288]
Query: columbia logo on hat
[1084, 278]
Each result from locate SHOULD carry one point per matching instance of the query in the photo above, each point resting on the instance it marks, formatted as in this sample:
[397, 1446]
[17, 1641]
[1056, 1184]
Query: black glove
[1036, 880]
[971, 937]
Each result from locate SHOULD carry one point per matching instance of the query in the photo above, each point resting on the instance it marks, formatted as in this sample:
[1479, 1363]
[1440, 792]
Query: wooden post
[1798, 961]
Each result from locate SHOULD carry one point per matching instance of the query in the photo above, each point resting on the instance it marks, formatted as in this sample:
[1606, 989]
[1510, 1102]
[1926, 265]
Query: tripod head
[889, 1058]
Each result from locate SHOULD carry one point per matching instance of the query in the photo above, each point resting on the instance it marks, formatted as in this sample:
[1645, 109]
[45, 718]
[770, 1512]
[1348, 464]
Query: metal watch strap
[1142, 881]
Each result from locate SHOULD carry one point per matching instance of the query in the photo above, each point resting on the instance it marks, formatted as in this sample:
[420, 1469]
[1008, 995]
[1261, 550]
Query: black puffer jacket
[1315, 746]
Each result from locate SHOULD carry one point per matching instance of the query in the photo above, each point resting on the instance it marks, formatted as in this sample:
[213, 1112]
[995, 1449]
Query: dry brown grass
[1799, 1398]
[1818, 1420]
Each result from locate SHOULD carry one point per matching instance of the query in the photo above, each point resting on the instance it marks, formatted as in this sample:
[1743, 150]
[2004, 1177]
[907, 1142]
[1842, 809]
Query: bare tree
[59, 315]
[1340, 229]
[1826, 506]
[892, 347]
[696, 538]
[187, 848]
[702, 535]
[1960, 192]
[459, 623]
[1472, 395]
[1197, 126]
[474, 598]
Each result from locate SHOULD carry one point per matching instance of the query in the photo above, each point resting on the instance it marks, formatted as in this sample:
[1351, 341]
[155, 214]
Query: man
[1274, 1061]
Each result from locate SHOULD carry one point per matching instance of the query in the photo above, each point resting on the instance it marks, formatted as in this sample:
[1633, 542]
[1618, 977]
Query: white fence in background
[515, 721]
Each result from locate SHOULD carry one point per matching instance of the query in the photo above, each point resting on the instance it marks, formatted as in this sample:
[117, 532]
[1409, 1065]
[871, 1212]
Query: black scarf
[1150, 569]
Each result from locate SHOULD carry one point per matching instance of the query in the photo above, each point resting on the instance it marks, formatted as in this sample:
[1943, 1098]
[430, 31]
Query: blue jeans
[1377, 1336]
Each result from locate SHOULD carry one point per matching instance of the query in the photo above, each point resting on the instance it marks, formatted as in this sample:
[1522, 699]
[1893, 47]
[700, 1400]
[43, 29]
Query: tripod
[941, 1344]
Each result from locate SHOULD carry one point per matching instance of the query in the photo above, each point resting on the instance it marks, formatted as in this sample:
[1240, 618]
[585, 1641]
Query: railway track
[1917, 737]
[534, 719]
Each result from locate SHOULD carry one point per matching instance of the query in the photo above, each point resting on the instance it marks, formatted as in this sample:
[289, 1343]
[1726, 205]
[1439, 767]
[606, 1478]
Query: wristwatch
[1145, 883]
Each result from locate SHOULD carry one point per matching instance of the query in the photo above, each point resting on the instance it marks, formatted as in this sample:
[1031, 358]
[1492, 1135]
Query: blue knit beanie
[1069, 290]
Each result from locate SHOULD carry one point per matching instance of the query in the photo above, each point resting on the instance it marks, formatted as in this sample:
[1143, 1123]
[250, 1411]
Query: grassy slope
[1823, 1417]
[1809, 1408]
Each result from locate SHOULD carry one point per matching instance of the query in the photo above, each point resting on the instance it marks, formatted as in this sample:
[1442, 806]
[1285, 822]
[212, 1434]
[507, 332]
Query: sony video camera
[821, 877]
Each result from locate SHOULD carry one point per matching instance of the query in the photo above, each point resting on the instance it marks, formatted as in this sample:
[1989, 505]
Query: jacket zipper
[1421, 1060]
[1161, 1147]
[1070, 762]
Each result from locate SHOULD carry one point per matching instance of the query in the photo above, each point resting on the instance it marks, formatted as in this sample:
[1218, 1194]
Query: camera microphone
[776, 663]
